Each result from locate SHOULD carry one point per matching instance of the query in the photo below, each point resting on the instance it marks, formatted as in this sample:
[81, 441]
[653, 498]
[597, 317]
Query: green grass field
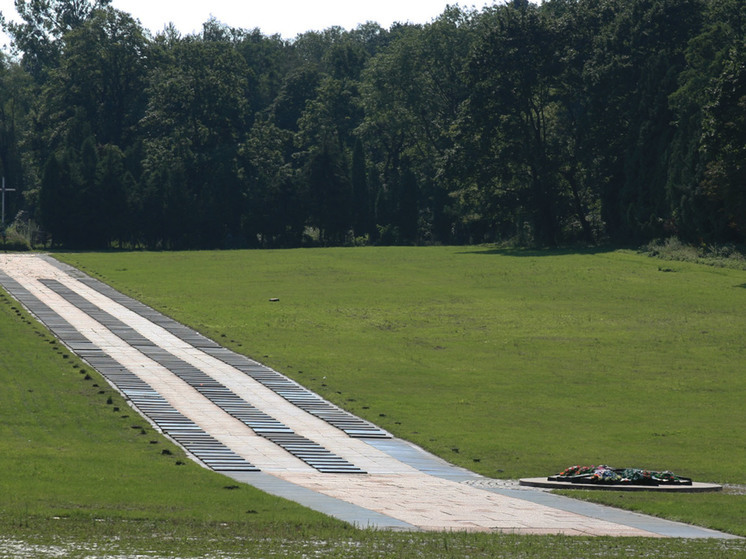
[511, 363]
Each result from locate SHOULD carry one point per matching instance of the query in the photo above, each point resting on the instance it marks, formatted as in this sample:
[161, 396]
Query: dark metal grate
[263, 424]
[286, 388]
[148, 402]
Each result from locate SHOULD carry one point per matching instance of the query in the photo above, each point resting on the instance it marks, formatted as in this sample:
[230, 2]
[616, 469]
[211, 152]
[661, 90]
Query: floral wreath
[605, 475]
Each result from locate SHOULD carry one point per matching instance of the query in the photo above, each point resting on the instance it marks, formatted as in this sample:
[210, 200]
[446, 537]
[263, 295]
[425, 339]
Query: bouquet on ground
[605, 475]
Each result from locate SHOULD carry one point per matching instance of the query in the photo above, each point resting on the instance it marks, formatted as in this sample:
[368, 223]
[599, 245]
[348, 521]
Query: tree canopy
[571, 121]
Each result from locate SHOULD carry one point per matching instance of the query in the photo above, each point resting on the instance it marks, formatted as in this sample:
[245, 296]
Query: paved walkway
[249, 422]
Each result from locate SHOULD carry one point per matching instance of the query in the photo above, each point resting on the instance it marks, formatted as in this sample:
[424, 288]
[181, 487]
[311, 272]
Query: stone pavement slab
[403, 486]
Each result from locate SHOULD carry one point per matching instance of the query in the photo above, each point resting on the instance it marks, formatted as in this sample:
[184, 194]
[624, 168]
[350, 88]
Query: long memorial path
[249, 422]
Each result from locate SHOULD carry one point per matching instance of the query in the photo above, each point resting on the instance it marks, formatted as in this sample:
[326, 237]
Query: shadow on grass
[536, 252]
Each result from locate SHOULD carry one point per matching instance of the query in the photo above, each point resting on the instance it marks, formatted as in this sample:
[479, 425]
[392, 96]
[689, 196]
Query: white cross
[4, 190]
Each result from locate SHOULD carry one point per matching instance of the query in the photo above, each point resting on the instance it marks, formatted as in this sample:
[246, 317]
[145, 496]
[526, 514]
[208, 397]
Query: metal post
[4, 190]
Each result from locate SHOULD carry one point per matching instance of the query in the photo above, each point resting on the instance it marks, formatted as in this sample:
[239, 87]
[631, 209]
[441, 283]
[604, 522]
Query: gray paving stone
[658, 526]
[359, 516]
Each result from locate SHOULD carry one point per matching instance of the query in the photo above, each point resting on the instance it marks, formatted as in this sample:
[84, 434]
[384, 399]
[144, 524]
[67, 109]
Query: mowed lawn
[511, 363]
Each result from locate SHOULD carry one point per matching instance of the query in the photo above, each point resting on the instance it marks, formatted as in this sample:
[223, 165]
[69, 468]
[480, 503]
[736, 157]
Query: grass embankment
[523, 362]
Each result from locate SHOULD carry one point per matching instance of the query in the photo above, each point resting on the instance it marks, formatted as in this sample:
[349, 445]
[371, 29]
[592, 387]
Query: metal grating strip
[147, 401]
[260, 422]
[296, 394]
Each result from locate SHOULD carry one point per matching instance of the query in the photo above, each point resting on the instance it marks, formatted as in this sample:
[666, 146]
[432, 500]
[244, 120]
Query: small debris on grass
[274, 300]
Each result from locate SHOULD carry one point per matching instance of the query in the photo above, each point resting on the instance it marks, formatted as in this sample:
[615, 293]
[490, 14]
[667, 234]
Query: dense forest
[573, 121]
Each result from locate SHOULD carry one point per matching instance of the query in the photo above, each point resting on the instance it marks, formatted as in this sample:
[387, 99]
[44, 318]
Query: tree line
[616, 121]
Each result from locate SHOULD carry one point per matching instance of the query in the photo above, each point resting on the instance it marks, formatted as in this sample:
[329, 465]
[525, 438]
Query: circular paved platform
[695, 487]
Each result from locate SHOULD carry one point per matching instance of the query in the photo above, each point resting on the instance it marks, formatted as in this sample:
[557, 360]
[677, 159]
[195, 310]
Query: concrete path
[249, 422]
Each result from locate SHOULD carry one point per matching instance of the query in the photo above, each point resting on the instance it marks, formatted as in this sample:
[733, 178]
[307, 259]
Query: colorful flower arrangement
[605, 475]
